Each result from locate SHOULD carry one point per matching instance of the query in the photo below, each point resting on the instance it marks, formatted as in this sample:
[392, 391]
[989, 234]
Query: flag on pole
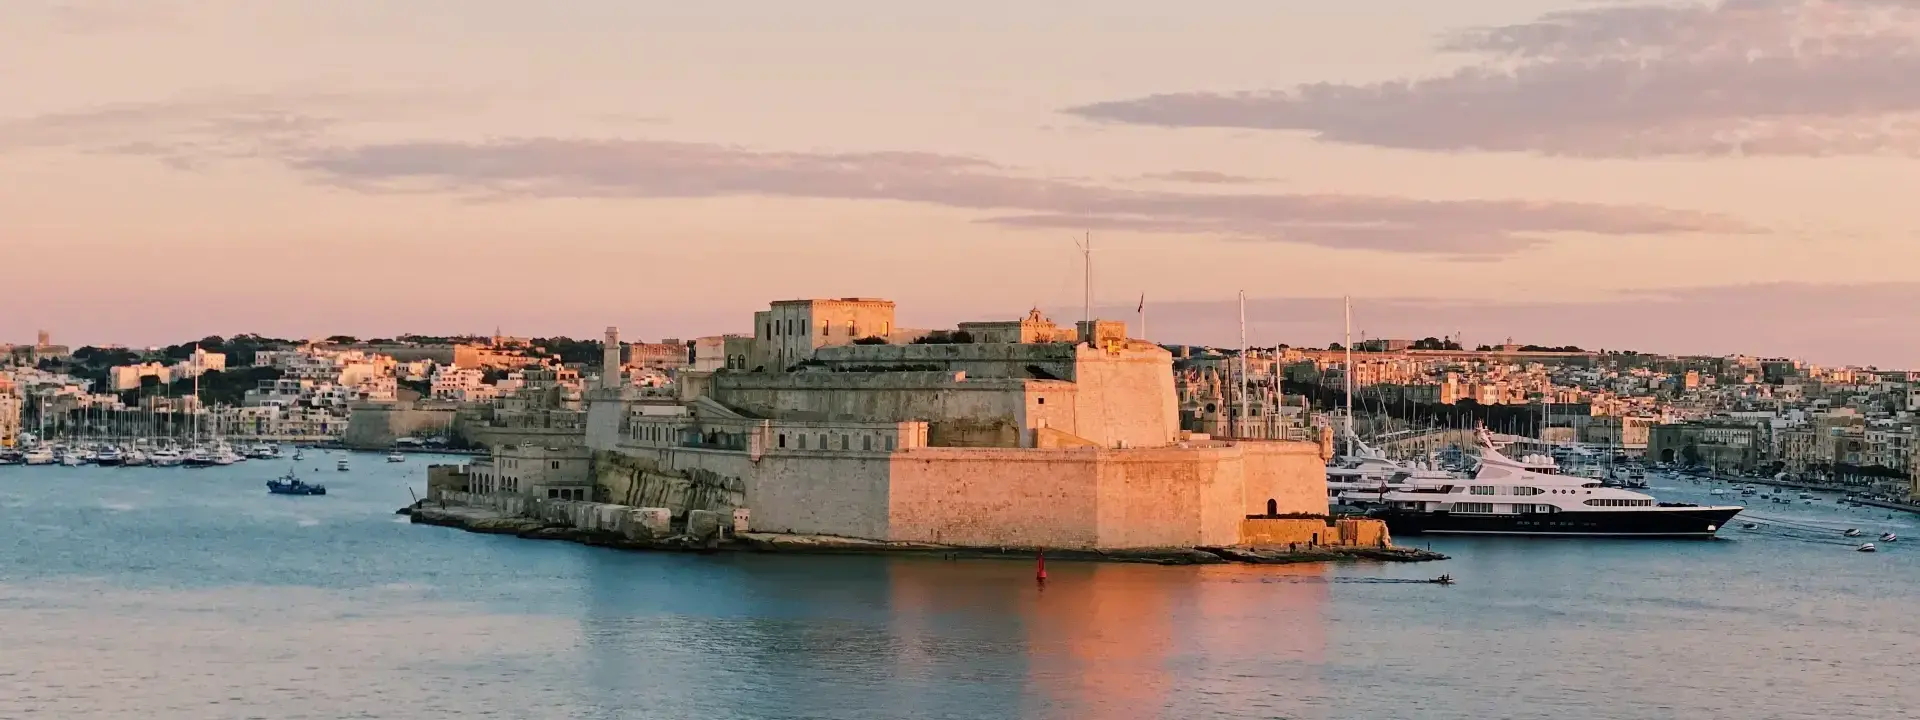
[1143, 303]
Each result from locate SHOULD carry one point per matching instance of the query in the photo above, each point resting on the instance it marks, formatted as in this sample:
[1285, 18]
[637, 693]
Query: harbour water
[192, 593]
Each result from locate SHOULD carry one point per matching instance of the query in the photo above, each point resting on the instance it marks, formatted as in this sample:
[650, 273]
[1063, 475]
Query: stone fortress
[830, 420]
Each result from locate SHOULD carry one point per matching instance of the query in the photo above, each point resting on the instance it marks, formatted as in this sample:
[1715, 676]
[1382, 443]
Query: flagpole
[1144, 335]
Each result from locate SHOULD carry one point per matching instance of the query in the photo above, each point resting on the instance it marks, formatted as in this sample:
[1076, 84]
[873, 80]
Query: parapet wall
[1314, 532]
[977, 360]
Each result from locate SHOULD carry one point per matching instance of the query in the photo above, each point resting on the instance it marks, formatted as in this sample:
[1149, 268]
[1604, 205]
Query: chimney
[610, 360]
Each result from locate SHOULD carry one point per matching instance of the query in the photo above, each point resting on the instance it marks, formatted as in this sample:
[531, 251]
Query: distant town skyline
[1674, 177]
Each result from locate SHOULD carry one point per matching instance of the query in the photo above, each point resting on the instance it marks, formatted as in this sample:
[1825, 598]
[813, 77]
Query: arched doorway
[1273, 508]
[1666, 455]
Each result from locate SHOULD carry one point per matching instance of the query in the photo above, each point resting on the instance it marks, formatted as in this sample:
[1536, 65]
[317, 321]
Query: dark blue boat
[290, 485]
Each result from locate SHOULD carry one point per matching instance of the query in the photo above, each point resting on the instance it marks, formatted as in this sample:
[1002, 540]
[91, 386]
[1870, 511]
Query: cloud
[86, 17]
[1206, 177]
[1732, 77]
[1869, 323]
[195, 130]
[550, 167]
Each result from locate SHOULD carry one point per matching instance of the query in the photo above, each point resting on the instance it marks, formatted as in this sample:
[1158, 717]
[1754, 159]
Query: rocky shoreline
[486, 521]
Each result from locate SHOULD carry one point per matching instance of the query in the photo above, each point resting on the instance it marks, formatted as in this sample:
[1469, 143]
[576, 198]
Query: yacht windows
[1483, 490]
[1526, 491]
[1619, 502]
[1473, 507]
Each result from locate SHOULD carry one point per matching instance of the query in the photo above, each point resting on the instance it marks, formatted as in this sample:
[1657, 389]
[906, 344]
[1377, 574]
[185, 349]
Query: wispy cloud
[550, 167]
[1870, 323]
[1206, 177]
[1752, 77]
[192, 131]
[85, 17]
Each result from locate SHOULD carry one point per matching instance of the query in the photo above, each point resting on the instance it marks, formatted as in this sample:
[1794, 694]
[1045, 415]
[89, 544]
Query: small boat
[1442, 580]
[341, 466]
[297, 455]
[1852, 532]
[1867, 548]
[290, 485]
[41, 455]
[109, 457]
[395, 456]
[223, 454]
[1889, 537]
[135, 458]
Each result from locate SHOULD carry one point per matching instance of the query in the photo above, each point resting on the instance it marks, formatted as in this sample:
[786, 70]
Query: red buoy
[1040, 567]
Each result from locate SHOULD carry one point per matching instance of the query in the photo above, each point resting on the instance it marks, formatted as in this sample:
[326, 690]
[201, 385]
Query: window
[853, 329]
[1619, 502]
[783, 439]
[1043, 401]
[1526, 491]
[889, 442]
[801, 440]
[1473, 508]
[556, 465]
[846, 442]
[866, 442]
[1483, 490]
[826, 328]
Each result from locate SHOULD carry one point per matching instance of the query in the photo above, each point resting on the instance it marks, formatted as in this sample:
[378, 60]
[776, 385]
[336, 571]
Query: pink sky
[1681, 177]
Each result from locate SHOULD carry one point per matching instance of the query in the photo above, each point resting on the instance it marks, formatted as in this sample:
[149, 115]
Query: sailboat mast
[196, 394]
[1348, 302]
[1243, 360]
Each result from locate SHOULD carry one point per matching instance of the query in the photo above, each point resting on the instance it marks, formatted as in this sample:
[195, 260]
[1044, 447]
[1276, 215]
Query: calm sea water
[178, 593]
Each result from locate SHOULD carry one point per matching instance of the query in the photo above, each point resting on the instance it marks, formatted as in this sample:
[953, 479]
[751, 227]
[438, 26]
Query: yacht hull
[1693, 522]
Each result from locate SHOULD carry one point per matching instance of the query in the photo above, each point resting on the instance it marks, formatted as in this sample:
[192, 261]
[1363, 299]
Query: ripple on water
[215, 592]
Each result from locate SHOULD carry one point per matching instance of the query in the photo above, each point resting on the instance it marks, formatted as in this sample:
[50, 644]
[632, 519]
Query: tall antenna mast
[1243, 361]
[1086, 256]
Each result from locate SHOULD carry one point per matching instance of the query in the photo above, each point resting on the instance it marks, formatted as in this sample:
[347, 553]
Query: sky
[1691, 177]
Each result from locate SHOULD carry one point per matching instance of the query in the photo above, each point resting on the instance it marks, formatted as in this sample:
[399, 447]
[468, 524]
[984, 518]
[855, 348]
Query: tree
[1336, 346]
[569, 350]
[942, 337]
[342, 339]
[870, 341]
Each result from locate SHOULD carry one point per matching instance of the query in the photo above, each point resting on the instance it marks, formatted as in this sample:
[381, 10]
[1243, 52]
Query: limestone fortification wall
[987, 412]
[1070, 497]
[995, 497]
[1125, 398]
[978, 360]
[374, 426]
[1284, 472]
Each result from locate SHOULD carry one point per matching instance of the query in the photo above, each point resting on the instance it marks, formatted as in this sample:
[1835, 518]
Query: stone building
[11, 405]
[1721, 444]
[1035, 440]
[553, 473]
[791, 330]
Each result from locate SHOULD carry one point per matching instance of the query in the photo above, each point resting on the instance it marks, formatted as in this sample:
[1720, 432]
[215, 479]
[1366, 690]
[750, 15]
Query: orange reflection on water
[1106, 640]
